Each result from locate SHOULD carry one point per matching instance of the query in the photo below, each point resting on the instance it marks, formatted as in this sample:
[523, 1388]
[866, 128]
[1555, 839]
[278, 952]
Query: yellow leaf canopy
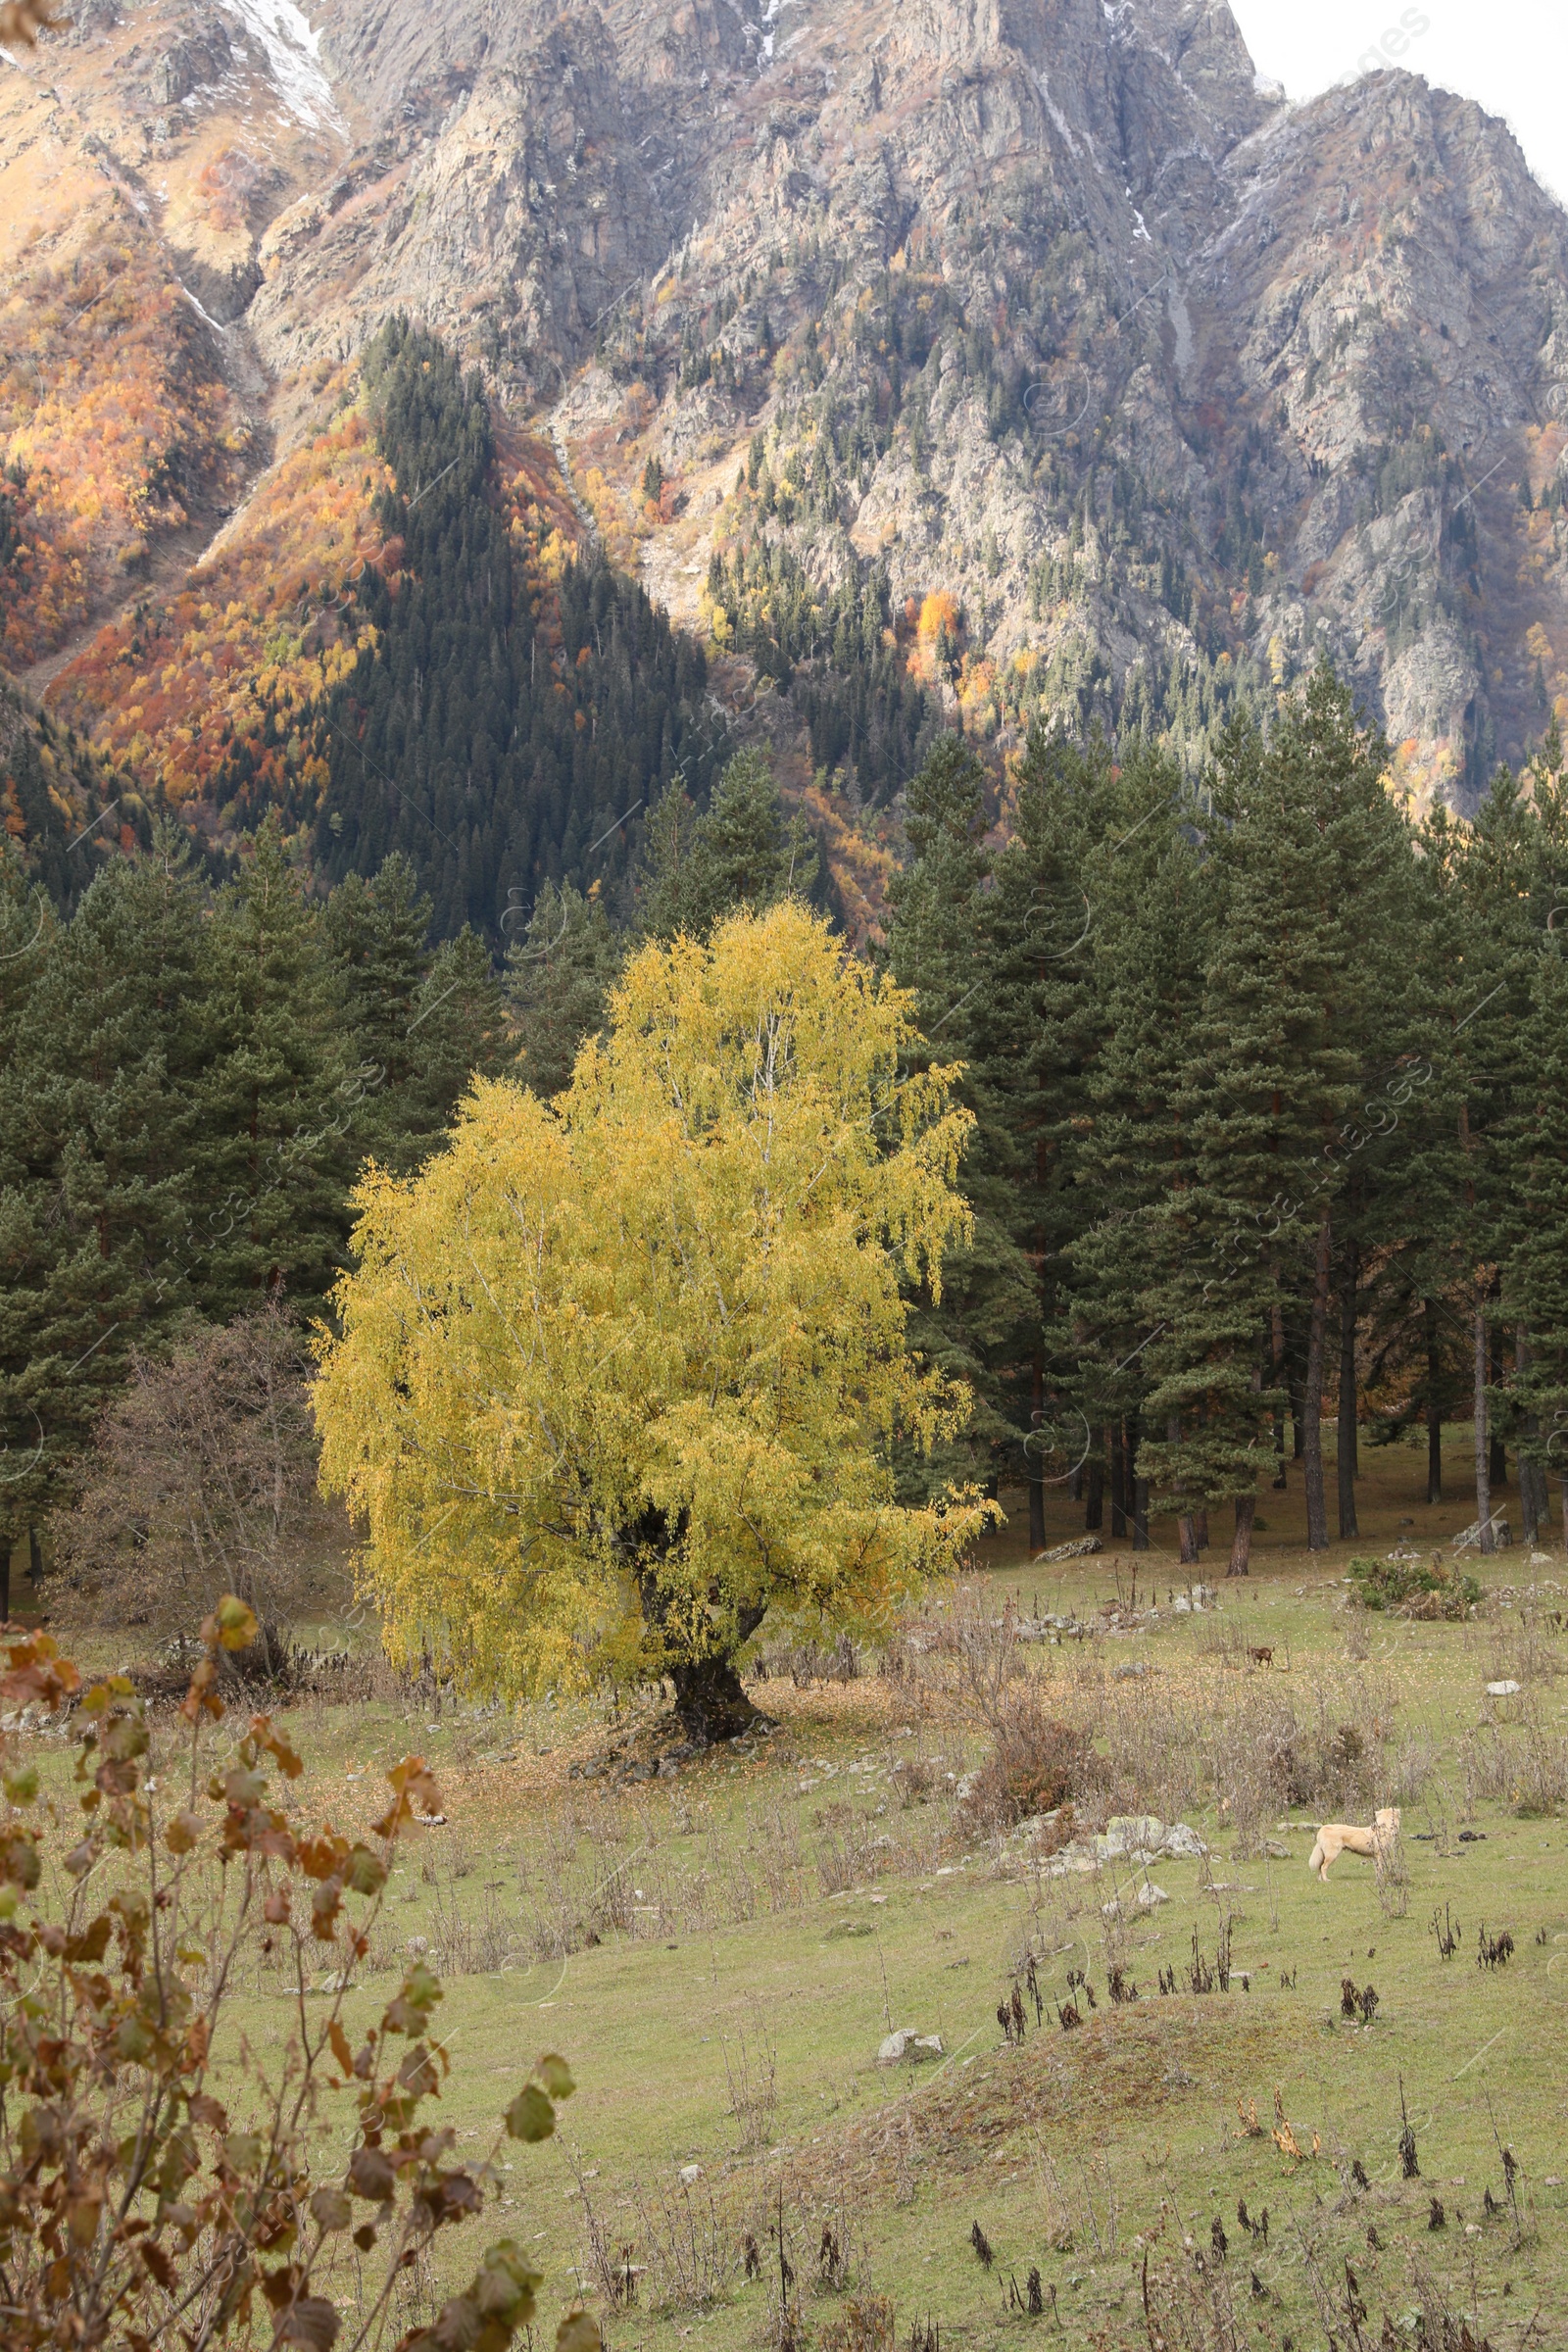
[619, 1375]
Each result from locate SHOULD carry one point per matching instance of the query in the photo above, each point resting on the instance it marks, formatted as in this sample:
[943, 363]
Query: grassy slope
[731, 2018]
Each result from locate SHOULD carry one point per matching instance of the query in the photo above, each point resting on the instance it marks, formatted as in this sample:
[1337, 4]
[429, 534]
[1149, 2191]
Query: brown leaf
[579, 2332]
[37, 1669]
[281, 2286]
[371, 2176]
[330, 2209]
[340, 2046]
[320, 1857]
[18, 1857]
[93, 1941]
[276, 1746]
[158, 2262]
[183, 1830]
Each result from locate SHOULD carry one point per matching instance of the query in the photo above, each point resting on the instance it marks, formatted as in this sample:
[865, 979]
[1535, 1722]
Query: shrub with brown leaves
[136, 2206]
[202, 1481]
[1036, 1764]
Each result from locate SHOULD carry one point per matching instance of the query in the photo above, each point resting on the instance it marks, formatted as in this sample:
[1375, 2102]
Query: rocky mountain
[1029, 356]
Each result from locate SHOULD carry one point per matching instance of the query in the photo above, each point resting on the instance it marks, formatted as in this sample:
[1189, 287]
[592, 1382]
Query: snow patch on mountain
[293, 57]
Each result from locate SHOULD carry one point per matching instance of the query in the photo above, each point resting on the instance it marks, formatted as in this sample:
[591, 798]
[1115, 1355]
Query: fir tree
[559, 978]
[739, 851]
[942, 947]
[280, 1102]
[1534, 1277]
[1134, 1162]
[459, 1032]
[96, 1190]
[1044, 1041]
[1264, 1087]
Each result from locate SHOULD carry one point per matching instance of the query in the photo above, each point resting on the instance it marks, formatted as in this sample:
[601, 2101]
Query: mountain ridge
[1126, 390]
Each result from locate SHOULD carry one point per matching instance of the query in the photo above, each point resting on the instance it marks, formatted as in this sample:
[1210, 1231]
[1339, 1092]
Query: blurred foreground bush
[137, 2206]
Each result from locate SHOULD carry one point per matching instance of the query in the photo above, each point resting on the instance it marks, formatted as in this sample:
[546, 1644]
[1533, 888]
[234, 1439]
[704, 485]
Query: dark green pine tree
[420, 1024]
[378, 934]
[1512, 864]
[1417, 1332]
[27, 938]
[1372, 906]
[740, 851]
[559, 978]
[1534, 1272]
[1345, 899]
[100, 1120]
[1043, 1033]
[941, 947]
[280, 1102]
[1531, 1184]
[1154, 905]
[1264, 1090]
[459, 1032]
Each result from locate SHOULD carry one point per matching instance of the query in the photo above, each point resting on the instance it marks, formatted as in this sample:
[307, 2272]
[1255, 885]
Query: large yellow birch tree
[615, 1376]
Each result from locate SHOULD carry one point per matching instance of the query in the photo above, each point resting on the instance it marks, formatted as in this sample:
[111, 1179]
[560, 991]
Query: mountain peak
[1048, 306]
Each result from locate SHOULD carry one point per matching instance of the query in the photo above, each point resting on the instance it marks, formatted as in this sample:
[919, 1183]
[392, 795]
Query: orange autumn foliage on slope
[115, 426]
[267, 618]
[269, 623]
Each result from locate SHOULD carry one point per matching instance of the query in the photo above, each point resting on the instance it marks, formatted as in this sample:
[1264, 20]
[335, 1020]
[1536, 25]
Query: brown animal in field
[1336, 1837]
[1261, 1657]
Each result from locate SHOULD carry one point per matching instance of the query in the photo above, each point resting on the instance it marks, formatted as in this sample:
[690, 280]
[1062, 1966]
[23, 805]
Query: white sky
[1510, 54]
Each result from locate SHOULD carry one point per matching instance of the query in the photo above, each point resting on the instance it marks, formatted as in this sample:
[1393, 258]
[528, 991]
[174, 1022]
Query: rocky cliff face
[1045, 307]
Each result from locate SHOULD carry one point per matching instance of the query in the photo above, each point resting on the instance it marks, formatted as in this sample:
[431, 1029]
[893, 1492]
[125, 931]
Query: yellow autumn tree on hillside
[620, 1374]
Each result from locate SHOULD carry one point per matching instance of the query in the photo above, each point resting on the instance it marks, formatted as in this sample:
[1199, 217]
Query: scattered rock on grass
[909, 2043]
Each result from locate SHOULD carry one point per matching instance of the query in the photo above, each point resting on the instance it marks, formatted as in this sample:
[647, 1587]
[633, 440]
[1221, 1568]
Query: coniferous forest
[1267, 1086]
[1265, 1076]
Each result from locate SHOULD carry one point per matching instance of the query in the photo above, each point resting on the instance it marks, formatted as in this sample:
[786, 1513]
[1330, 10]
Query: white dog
[1337, 1838]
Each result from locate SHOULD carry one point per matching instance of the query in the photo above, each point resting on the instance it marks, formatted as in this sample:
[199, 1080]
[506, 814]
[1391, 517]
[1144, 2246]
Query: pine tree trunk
[1434, 1406]
[1317, 1523]
[34, 1562]
[1276, 1333]
[1562, 1505]
[1497, 1461]
[1489, 1541]
[1118, 1481]
[1348, 1464]
[1037, 1484]
[1535, 1503]
[1201, 1529]
[1186, 1530]
[1241, 1560]
[1095, 1507]
[5, 1581]
[1137, 1487]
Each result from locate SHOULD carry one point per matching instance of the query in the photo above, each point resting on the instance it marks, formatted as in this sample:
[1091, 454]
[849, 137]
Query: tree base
[712, 1704]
